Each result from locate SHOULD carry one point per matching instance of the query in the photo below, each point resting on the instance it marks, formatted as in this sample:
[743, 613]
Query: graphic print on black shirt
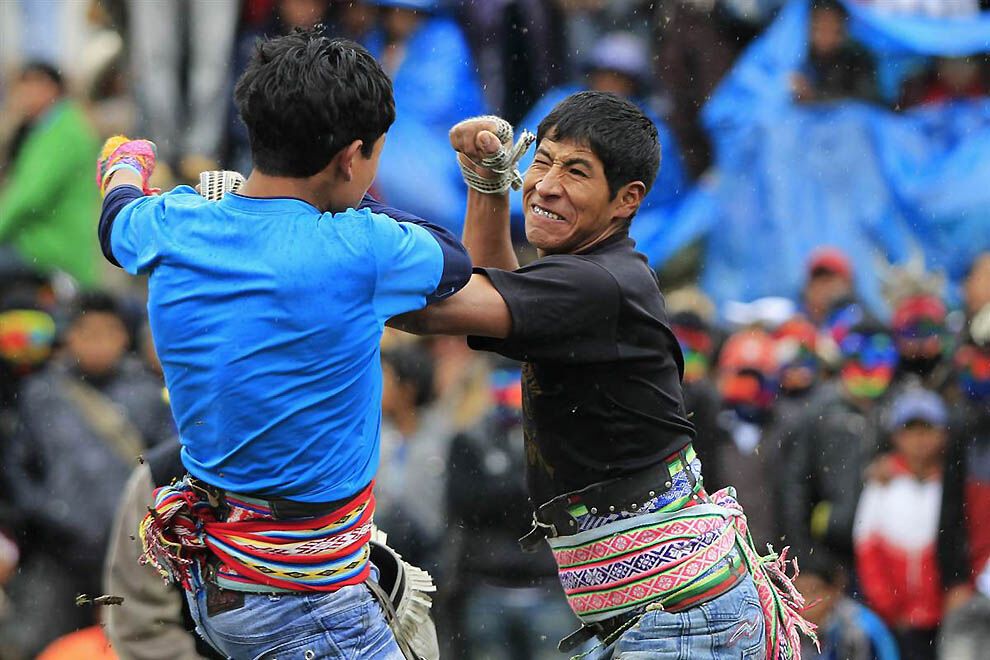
[602, 369]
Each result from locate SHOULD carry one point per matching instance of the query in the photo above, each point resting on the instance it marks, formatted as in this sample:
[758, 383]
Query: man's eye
[580, 173]
[541, 163]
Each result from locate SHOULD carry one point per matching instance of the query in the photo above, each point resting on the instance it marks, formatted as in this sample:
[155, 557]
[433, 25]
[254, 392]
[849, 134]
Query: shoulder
[573, 268]
[185, 196]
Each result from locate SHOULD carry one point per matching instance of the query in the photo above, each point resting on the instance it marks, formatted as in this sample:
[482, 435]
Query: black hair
[823, 564]
[96, 302]
[40, 68]
[305, 96]
[618, 132]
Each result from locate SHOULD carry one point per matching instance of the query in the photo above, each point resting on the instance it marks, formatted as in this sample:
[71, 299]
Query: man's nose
[549, 183]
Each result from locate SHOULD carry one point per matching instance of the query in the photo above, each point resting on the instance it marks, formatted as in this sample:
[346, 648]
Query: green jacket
[50, 206]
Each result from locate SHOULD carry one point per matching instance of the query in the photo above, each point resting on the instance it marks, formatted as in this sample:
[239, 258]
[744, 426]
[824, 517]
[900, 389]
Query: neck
[611, 231]
[307, 189]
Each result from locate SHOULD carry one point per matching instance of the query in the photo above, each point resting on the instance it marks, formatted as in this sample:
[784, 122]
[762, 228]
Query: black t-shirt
[602, 369]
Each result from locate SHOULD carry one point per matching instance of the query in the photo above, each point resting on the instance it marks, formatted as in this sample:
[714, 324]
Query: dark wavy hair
[305, 96]
[618, 132]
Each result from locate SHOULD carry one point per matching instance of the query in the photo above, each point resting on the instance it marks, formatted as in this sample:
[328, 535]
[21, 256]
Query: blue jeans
[729, 627]
[502, 623]
[344, 624]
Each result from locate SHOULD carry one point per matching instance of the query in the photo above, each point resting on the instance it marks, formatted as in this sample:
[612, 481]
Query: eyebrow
[567, 163]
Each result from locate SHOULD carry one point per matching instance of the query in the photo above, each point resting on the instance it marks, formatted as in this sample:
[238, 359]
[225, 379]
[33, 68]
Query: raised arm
[122, 172]
[486, 220]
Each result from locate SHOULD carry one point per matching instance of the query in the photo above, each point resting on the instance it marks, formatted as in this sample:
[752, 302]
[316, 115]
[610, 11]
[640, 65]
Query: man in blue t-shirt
[267, 309]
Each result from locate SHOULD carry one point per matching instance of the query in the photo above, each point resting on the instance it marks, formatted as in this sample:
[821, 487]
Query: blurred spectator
[964, 536]
[182, 53]
[797, 348]
[436, 85]
[800, 352]
[460, 381]
[154, 622]
[833, 442]
[427, 57]
[947, 79]
[509, 605]
[415, 441]
[84, 420]
[285, 16]
[747, 383]
[516, 69]
[836, 67]
[976, 287]
[48, 202]
[828, 290]
[691, 316]
[921, 337]
[847, 630]
[897, 525]
[587, 22]
[619, 63]
[695, 49]
[965, 633]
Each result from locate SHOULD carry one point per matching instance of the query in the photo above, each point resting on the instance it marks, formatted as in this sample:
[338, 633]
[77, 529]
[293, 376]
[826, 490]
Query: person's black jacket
[970, 441]
[832, 444]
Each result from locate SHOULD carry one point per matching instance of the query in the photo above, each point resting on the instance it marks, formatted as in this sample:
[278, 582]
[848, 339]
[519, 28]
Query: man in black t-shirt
[612, 474]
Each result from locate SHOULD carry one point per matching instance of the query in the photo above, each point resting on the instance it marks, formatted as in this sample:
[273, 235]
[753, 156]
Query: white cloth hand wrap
[502, 163]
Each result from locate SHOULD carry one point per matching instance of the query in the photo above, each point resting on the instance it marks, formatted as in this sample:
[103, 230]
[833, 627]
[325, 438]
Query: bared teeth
[546, 213]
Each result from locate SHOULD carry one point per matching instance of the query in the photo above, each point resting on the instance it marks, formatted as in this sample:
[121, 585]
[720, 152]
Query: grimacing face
[566, 199]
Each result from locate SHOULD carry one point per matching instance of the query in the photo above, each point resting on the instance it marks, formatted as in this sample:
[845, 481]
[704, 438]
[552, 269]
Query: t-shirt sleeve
[139, 231]
[409, 265]
[456, 262]
[557, 304]
[134, 236]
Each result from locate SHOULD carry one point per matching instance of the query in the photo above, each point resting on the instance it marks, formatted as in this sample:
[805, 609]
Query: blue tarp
[661, 202]
[436, 86]
[789, 177]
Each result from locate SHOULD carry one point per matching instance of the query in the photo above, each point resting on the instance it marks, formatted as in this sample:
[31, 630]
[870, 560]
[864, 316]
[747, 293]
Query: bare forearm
[124, 177]
[477, 309]
[487, 235]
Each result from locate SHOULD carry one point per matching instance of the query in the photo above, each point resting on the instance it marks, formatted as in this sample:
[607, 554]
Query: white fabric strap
[503, 163]
[215, 183]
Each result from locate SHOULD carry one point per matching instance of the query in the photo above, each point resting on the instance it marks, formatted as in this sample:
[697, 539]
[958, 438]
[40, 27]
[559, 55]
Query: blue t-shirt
[267, 317]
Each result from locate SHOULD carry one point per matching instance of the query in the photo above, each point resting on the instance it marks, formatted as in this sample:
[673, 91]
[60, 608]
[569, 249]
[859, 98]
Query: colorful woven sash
[670, 557]
[680, 549]
[256, 552]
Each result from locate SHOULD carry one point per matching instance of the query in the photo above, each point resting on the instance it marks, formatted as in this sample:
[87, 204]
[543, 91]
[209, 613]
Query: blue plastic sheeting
[649, 225]
[435, 87]
[790, 178]
[916, 34]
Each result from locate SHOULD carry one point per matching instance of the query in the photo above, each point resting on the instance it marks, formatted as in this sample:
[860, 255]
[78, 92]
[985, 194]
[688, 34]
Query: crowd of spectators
[862, 444]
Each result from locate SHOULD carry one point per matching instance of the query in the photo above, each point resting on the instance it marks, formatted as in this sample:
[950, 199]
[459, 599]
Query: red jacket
[894, 540]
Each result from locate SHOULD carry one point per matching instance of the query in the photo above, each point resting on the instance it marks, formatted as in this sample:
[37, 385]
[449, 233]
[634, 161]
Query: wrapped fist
[121, 152]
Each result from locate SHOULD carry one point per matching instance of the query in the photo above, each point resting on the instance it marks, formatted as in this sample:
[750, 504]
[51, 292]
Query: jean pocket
[310, 647]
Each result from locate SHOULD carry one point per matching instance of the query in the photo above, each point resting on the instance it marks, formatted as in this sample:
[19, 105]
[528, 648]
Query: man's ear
[628, 199]
[345, 159]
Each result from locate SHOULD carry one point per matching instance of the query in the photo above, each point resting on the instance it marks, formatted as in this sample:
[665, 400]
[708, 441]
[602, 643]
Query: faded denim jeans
[729, 627]
[340, 625]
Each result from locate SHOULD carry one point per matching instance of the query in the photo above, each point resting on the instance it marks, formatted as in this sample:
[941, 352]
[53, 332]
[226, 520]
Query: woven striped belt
[253, 550]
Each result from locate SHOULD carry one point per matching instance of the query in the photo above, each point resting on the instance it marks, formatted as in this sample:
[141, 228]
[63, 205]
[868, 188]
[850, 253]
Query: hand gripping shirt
[267, 316]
